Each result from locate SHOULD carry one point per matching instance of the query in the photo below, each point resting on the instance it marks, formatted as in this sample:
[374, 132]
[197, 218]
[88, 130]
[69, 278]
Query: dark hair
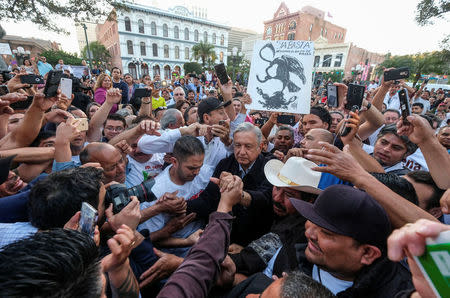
[392, 129]
[43, 135]
[399, 185]
[54, 263]
[189, 91]
[299, 285]
[180, 103]
[186, 114]
[322, 113]
[115, 67]
[418, 104]
[393, 111]
[187, 146]
[116, 117]
[56, 198]
[426, 178]
[238, 94]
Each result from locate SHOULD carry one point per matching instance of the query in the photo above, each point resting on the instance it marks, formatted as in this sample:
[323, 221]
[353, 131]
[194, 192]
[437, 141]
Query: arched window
[153, 28]
[165, 30]
[144, 69]
[196, 35]
[127, 24]
[143, 51]
[130, 47]
[291, 36]
[166, 51]
[176, 32]
[166, 72]
[292, 25]
[214, 38]
[186, 53]
[205, 36]
[155, 50]
[141, 26]
[222, 40]
[186, 34]
[221, 56]
[132, 70]
[156, 70]
[177, 52]
[269, 31]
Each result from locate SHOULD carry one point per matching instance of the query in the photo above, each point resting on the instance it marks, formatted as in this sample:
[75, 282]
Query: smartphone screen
[355, 96]
[332, 96]
[221, 72]
[286, 119]
[66, 87]
[88, 219]
[404, 104]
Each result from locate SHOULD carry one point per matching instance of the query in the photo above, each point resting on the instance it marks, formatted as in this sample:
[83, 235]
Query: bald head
[314, 136]
[110, 160]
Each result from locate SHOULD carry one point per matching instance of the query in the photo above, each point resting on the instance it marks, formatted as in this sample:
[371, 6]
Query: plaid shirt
[12, 232]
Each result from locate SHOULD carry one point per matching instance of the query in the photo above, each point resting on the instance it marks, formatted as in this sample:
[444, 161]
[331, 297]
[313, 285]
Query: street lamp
[138, 62]
[21, 55]
[235, 55]
[87, 45]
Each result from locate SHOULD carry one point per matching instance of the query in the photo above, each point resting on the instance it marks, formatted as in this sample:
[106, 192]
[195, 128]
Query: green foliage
[336, 75]
[47, 13]
[98, 52]
[428, 10]
[54, 56]
[436, 62]
[236, 65]
[203, 51]
[191, 67]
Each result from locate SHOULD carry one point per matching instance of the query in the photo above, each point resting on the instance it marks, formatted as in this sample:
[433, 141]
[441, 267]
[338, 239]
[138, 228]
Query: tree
[98, 52]
[203, 51]
[423, 63]
[54, 56]
[191, 67]
[428, 10]
[46, 13]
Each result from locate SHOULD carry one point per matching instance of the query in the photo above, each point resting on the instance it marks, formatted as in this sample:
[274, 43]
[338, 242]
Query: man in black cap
[346, 231]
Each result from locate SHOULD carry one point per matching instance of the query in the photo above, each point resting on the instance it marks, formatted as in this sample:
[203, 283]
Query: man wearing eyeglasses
[114, 125]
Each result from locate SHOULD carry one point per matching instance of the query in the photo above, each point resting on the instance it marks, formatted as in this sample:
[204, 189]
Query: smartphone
[52, 83]
[404, 105]
[344, 129]
[83, 124]
[332, 96]
[355, 96]
[88, 219]
[396, 74]
[435, 263]
[143, 92]
[31, 79]
[66, 87]
[286, 119]
[221, 72]
[261, 121]
[22, 105]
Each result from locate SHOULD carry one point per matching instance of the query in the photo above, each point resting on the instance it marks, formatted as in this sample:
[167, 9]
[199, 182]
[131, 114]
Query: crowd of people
[198, 196]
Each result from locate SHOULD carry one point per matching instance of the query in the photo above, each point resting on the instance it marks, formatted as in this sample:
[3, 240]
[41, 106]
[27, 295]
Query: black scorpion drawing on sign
[285, 65]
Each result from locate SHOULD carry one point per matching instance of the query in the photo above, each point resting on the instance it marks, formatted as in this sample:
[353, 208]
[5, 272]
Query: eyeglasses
[112, 128]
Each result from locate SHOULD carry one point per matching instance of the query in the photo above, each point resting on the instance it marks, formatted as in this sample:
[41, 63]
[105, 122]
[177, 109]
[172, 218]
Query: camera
[119, 195]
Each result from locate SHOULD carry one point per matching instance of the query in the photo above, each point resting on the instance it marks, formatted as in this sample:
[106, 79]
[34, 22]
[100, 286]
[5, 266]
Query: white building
[248, 44]
[156, 41]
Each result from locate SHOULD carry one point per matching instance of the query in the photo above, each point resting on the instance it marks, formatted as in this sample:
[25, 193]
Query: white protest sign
[280, 76]
[5, 49]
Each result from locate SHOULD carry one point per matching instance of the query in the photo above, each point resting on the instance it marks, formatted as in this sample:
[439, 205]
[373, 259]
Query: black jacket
[251, 222]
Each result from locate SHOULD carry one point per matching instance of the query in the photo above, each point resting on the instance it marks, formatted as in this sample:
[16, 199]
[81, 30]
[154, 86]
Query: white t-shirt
[426, 104]
[416, 161]
[392, 102]
[372, 86]
[332, 283]
[152, 167]
[189, 191]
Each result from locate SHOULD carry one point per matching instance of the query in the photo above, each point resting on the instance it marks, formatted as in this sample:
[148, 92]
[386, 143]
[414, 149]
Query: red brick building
[307, 24]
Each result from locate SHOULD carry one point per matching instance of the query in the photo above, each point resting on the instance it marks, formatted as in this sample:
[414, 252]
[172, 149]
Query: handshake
[231, 191]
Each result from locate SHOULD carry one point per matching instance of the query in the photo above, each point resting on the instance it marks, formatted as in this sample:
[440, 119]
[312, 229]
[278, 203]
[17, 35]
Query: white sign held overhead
[5, 49]
[280, 76]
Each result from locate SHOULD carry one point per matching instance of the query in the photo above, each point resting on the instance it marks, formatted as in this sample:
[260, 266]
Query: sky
[378, 26]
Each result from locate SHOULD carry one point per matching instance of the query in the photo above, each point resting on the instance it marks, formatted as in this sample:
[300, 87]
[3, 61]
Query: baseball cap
[348, 211]
[5, 164]
[208, 105]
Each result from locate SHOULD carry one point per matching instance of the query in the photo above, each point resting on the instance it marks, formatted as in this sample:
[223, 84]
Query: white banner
[5, 49]
[280, 76]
